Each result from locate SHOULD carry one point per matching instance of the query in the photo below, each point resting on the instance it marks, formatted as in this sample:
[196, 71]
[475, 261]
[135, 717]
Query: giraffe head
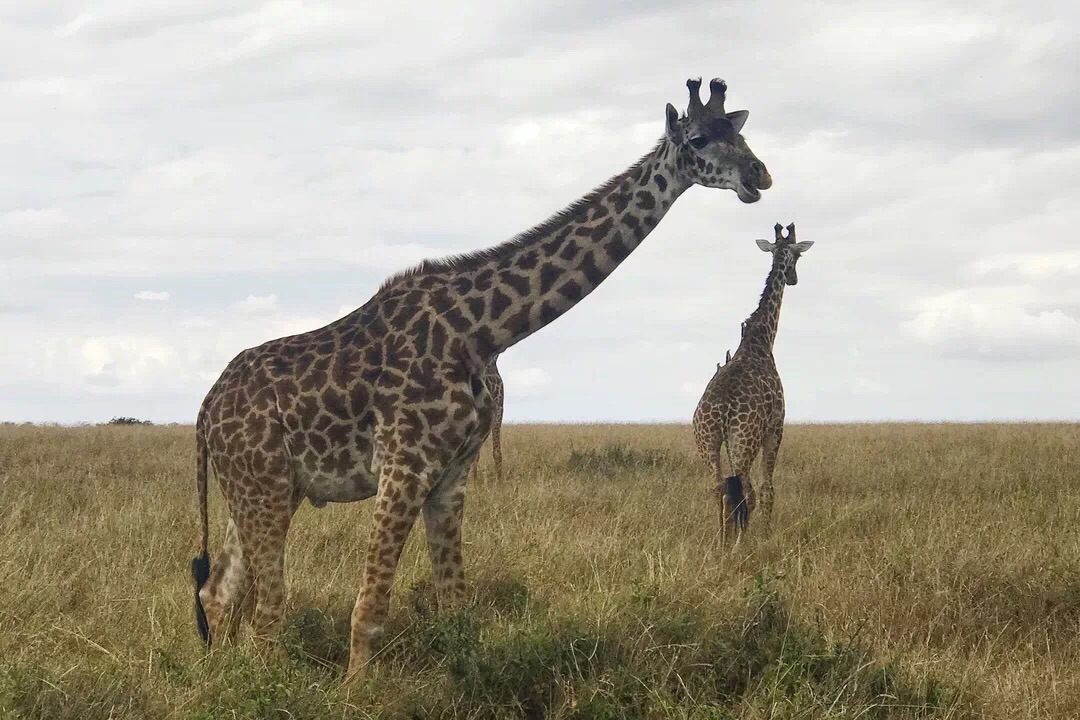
[710, 148]
[786, 252]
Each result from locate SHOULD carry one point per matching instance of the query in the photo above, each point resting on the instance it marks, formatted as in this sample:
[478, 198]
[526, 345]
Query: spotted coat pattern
[389, 401]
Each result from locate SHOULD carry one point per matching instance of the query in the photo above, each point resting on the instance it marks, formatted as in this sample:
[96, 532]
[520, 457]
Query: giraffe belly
[323, 487]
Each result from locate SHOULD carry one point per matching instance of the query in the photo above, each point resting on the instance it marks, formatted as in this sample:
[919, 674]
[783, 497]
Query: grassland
[913, 571]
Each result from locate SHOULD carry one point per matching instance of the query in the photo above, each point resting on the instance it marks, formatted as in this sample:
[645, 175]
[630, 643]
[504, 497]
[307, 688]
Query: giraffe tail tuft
[200, 572]
[736, 500]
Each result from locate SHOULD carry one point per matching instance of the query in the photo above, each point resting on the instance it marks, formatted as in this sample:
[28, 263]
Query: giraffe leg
[263, 531]
[496, 440]
[227, 596]
[407, 476]
[443, 509]
[397, 504]
[770, 446]
[738, 490]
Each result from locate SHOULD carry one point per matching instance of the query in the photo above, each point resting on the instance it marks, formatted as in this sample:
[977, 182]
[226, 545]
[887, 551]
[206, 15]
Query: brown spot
[551, 246]
[547, 313]
[342, 370]
[527, 260]
[520, 283]
[438, 338]
[645, 200]
[440, 300]
[570, 251]
[620, 200]
[397, 352]
[476, 307]
[434, 416]
[617, 249]
[483, 279]
[593, 275]
[500, 301]
[457, 320]
[317, 443]
[335, 402]
[661, 181]
[420, 330]
[601, 231]
[339, 434]
[307, 409]
[485, 341]
[571, 290]
[548, 275]
[518, 323]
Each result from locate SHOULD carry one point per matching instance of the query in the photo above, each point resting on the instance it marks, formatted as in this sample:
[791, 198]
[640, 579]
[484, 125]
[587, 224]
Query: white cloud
[866, 386]
[256, 304]
[1029, 265]
[291, 147]
[525, 382]
[994, 324]
[152, 295]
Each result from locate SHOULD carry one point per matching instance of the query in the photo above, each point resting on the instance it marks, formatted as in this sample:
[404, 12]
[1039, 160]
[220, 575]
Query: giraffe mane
[475, 259]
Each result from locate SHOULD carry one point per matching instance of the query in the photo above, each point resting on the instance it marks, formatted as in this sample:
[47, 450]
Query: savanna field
[913, 571]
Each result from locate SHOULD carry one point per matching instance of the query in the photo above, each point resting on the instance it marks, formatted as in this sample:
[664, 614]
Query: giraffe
[494, 382]
[743, 404]
[389, 401]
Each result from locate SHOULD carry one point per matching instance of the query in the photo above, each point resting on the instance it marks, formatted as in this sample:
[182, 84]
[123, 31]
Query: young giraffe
[389, 401]
[494, 382]
[743, 405]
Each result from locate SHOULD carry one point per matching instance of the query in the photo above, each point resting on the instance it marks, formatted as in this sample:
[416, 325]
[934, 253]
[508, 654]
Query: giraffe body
[391, 401]
[742, 410]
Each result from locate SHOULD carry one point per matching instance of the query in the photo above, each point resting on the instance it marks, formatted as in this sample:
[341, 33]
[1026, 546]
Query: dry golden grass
[912, 571]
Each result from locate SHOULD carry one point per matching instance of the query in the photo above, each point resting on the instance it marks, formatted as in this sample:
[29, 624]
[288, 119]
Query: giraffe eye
[699, 141]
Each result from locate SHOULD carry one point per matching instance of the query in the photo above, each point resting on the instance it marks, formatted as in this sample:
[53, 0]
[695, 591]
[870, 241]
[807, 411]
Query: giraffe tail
[200, 566]
[736, 500]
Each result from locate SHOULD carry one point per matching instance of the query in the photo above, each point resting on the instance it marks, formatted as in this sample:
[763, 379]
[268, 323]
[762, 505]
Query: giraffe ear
[765, 245]
[674, 132]
[803, 245]
[738, 119]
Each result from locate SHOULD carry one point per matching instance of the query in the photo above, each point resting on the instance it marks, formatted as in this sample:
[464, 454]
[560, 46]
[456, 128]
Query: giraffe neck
[499, 296]
[761, 325]
[549, 269]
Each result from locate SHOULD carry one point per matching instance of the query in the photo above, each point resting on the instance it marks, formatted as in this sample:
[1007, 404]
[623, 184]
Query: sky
[180, 181]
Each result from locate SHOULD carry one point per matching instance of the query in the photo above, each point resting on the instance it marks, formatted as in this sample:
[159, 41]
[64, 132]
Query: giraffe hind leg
[225, 597]
[200, 573]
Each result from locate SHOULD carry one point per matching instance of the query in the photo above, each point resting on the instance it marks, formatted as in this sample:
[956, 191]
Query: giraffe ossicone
[390, 402]
[742, 410]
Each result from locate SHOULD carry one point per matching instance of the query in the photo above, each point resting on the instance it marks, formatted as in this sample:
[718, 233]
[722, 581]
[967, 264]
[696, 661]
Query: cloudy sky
[184, 180]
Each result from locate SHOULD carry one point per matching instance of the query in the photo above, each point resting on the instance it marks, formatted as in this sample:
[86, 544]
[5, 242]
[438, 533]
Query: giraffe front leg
[401, 494]
[443, 511]
[769, 450]
[496, 445]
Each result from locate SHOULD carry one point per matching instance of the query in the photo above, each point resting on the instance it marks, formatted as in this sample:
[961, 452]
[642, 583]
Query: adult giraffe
[389, 402]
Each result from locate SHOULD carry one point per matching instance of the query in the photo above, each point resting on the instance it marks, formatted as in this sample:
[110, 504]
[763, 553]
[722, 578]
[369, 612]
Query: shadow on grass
[507, 656]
